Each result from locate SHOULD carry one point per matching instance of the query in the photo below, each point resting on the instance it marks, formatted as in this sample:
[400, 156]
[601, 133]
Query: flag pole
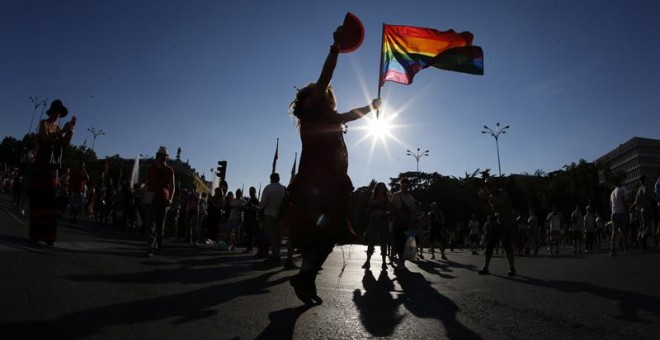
[277, 146]
[259, 195]
[380, 68]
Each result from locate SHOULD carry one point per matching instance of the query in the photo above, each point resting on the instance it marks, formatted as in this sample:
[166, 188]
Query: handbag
[410, 249]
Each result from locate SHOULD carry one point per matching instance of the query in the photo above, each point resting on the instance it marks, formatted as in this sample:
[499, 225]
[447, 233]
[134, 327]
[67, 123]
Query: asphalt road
[96, 284]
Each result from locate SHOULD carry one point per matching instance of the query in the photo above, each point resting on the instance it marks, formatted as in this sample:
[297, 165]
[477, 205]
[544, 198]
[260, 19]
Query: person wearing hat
[503, 229]
[157, 198]
[51, 141]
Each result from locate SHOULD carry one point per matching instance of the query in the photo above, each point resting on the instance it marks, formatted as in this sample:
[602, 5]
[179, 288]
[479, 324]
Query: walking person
[214, 216]
[577, 228]
[192, 216]
[589, 229]
[156, 199]
[503, 229]
[403, 207]
[437, 231]
[619, 216]
[656, 190]
[534, 233]
[77, 182]
[644, 203]
[378, 227]
[271, 200]
[51, 142]
[250, 219]
[553, 221]
[473, 229]
[321, 189]
[235, 220]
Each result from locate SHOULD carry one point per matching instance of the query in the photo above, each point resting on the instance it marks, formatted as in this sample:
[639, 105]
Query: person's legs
[491, 241]
[508, 249]
[383, 235]
[161, 213]
[399, 240]
[371, 240]
[272, 227]
[304, 283]
[150, 228]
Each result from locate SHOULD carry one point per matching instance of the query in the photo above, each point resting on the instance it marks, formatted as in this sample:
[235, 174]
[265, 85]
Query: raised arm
[359, 112]
[320, 90]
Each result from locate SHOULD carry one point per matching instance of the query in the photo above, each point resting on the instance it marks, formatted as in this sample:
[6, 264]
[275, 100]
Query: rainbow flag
[407, 50]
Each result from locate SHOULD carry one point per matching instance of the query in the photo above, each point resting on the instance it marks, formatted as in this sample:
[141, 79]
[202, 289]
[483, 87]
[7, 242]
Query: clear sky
[573, 79]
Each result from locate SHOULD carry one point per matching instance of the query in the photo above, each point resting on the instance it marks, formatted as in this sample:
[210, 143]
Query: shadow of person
[283, 323]
[379, 312]
[442, 268]
[630, 304]
[182, 307]
[424, 301]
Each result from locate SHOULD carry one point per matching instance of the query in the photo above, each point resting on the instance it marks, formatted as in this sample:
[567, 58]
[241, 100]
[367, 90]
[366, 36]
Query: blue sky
[573, 79]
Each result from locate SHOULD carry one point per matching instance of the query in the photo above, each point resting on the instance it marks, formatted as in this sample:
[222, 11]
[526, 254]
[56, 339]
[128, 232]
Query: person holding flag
[320, 191]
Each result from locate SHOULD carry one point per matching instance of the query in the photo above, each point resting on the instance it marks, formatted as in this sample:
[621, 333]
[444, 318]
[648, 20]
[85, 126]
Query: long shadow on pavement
[185, 307]
[379, 312]
[282, 323]
[422, 300]
[629, 303]
[441, 268]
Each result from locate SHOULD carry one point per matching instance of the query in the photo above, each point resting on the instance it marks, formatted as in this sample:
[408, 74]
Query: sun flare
[378, 128]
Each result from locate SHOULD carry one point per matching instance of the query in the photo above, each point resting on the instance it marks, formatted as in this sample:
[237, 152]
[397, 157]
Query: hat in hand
[352, 33]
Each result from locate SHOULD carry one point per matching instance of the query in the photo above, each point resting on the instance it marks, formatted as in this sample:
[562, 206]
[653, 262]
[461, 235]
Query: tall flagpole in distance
[380, 69]
[277, 147]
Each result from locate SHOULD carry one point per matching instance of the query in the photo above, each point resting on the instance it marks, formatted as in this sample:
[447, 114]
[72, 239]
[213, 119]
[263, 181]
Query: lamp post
[96, 134]
[37, 103]
[496, 134]
[417, 155]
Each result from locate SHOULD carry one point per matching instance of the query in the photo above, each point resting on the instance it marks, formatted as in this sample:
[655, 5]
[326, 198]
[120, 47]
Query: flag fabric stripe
[466, 59]
[408, 49]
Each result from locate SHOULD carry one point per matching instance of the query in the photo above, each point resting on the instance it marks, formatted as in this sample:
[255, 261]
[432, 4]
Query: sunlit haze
[572, 79]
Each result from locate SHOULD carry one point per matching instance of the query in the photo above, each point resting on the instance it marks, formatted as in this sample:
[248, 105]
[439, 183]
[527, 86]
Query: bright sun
[378, 128]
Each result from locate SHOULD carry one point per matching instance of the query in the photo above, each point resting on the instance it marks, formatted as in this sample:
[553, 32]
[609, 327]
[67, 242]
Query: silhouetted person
[157, 197]
[51, 142]
[503, 229]
[321, 189]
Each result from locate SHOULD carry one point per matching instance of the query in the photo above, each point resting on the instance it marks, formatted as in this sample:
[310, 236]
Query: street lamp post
[417, 155]
[496, 134]
[96, 134]
[37, 103]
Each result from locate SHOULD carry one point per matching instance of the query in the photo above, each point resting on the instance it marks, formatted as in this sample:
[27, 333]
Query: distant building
[636, 157]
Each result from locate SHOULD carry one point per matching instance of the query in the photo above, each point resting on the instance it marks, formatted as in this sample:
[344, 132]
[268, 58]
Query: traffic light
[222, 169]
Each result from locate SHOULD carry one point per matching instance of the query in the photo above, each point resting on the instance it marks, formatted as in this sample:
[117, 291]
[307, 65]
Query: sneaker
[150, 254]
[483, 271]
[511, 273]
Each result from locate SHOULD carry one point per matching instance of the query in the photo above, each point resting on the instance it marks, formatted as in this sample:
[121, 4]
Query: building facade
[632, 159]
